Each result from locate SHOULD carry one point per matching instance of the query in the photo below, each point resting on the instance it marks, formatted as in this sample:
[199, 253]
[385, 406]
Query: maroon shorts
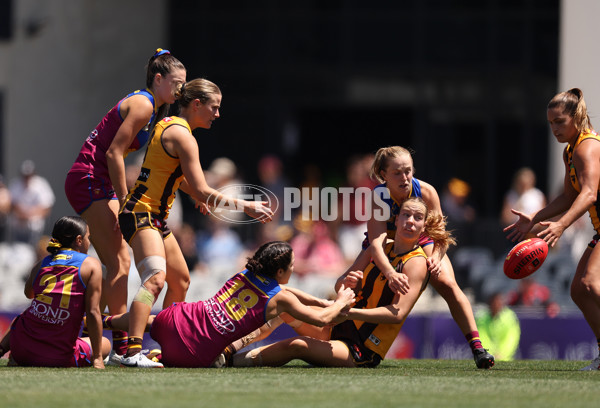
[82, 189]
[174, 351]
[82, 356]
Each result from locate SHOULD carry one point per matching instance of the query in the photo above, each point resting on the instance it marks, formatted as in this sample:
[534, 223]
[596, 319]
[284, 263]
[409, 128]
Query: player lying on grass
[63, 286]
[379, 313]
[194, 334]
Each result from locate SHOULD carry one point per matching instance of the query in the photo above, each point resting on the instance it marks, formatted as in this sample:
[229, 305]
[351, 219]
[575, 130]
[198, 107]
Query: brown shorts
[131, 223]
[363, 356]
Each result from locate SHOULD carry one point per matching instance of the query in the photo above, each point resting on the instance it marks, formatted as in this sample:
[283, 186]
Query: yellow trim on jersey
[593, 210]
[382, 336]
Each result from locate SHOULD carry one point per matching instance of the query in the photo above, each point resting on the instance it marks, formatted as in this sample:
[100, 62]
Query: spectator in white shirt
[32, 200]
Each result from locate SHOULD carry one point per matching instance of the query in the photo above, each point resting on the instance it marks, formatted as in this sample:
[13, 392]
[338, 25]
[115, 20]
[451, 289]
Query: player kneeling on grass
[63, 286]
[194, 334]
[378, 315]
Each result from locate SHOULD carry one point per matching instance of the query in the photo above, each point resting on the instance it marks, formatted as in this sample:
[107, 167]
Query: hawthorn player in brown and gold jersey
[570, 123]
[172, 162]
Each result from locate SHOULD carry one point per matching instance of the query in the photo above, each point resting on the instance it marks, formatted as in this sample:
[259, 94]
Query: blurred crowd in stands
[215, 249]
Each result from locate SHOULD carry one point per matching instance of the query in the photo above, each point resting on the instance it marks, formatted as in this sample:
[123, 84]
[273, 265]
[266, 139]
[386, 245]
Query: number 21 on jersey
[50, 281]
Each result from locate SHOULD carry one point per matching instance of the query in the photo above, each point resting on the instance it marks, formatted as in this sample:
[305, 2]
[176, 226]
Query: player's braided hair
[269, 258]
[65, 231]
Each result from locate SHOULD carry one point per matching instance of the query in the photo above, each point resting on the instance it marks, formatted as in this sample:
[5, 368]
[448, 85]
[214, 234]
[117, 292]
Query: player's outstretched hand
[203, 208]
[520, 228]
[258, 210]
[552, 233]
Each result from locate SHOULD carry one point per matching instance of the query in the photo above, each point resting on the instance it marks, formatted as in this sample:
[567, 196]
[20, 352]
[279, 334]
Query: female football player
[96, 186]
[172, 162]
[570, 124]
[194, 334]
[63, 286]
[393, 167]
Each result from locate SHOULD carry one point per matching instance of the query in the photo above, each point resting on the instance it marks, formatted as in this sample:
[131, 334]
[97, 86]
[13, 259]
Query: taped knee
[150, 266]
[145, 296]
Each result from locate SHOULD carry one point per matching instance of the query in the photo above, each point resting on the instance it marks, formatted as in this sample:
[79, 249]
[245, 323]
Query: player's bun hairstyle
[65, 231]
[573, 104]
[269, 258]
[200, 88]
[383, 156]
[435, 225]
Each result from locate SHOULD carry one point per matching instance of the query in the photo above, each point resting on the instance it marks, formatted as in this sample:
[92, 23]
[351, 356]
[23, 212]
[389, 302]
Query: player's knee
[152, 268]
[447, 288]
[155, 283]
[298, 345]
[584, 288]
[106, 347]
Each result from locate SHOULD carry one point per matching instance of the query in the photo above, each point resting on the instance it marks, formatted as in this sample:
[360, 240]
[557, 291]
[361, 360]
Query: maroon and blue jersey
[45, 334]
[92, 157]
[394, 207]
[205, 328]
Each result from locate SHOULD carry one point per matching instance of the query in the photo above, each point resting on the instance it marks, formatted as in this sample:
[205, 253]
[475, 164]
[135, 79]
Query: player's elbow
[590, 197]
[398, 315]
[93, 315]
[322, 321]
[112, 154]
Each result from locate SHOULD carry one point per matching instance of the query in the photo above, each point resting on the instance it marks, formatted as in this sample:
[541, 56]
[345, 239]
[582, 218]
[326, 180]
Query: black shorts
[347, 333]
[594, 241]
[130, 223]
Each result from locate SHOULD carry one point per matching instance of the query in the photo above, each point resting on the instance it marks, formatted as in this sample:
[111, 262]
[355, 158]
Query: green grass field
[396, 383]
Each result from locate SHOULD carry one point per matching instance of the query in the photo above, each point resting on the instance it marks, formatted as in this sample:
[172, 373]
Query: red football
[525, 258]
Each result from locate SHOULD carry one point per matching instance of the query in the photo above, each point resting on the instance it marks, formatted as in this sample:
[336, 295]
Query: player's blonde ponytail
[573, 104]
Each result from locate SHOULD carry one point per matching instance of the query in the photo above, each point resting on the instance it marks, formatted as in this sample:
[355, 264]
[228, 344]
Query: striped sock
[474, 341]
[84, 330]
[119, 341]
[134, 346]
[106, 322]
